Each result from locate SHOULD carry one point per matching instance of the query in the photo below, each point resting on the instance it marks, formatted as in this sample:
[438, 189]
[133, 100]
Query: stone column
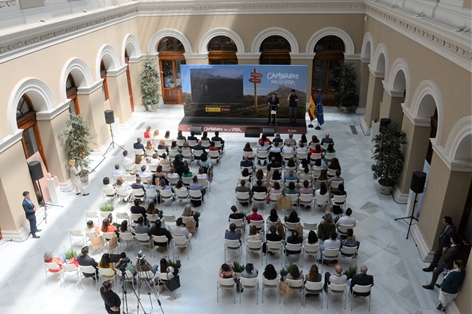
[118, 93]
[93, 109]
[392, 105]
[248, 58]
[135, 69]
[363, 78]
[374, 97]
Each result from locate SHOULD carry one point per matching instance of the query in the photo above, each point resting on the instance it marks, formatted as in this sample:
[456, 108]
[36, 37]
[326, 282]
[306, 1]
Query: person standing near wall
[74, 177]
[292, 106]
[30, 211]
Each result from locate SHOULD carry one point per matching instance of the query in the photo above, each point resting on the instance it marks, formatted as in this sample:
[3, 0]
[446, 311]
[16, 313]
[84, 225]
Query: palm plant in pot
[343, 82]
[150, 85]
[388, 157]
[77, 140]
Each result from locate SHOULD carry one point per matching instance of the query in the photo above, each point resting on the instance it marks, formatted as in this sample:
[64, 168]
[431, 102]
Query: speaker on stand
[417, 186]
[110, 119]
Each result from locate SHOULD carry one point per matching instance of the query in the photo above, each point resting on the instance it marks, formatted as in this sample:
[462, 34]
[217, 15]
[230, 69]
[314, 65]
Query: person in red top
[49, 258]
[316, 150]
[264, 139]
[254, 215]
[147, 133]
[212, 146]
[107, 226]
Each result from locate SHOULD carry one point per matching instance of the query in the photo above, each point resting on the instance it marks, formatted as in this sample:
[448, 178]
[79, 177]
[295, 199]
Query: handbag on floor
[191, 225]
[173, 283]
[285, 289]
[97, 243]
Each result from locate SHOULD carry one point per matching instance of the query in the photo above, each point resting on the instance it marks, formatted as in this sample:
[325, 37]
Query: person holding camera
[111, 299]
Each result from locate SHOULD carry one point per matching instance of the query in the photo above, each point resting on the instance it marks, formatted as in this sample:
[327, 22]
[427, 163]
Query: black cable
[396, 201]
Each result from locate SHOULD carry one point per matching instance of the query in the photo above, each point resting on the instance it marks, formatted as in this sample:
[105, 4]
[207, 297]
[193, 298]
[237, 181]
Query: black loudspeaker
[383, 123]
[417, 182]
[109, 117]
[197, 129]
[252, 133]
[268, 131]
[35, 169]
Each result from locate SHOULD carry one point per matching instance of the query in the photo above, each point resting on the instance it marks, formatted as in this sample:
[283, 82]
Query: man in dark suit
[30, 211]
[192, 137]
[447, 258]
[273, 164]
[139, 144]
[362, 279]
[448, 231]
[273, 235]
[86, 260]
[217, 138]
[273, 103]
[259, 187]
[199, 147]
[246, 163]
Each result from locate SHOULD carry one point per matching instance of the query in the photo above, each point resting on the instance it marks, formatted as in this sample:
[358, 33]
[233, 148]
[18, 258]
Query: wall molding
[49, 115]
[9, 141]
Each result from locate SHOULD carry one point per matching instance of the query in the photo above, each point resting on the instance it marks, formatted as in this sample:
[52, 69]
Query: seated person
[151, 186]
[250, 271]
[312, 238]
[159, 231]
[107, 226]
[273, 235]
[139, 144]
[226, 271]
[117, 171]
[338, 278]
[213, 148]
[188, 212]
[125, 228]
[277, 189]
[273, 217]
[49, 258]
[85, 260]
[259, 187]
[201, 174]
[290, 140]
[205, 162]
[306, 189]
[144, 173]
[277, 139]
[199, 147]
[107, 185]
[326, 226]
[217, 138]
[294, 238]
[187, 173]
[276, 153]
[254, 216]
[295, 273]
[361, 279]
[105, 262]
[253, 234]
[141, 227]
[347, 219]
[327, 140]
[180, 230]
[246, 162]
[302, 149]
[192, 137]
[274, 163]
[245, 175]
[276, 176]
[331, 243]
[137, 208]
[314, 274]
[232, 233]
[242, 188]
[350, 240]
[195, 185]
[330, 150]
[269, 272]
[164, 268]
[264, 140]
[143, 265]
[335, 165]
[137, 185]
[293, 217]
[235, 214]
[288, 149]
[92, 227]
[162, 146]
[316, 150]
[172, 175]
[291, 189]
[291, 176]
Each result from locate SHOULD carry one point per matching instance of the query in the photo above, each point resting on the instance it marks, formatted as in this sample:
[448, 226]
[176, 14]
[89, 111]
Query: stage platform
[240, 125]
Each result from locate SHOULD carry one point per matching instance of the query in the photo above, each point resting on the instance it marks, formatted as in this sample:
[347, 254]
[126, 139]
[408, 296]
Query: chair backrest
[186, 153]
[187, 180]
[249, 282]
[160, 152]
[272, 283]
[274, 197]
[138, 151]
[165, 168]
[153, 217]
[149, 152]
[180, 240]
[173, 153]
[331, 172]
[122, 191]
[195, 194]
[108, 272]
[274, 246]
[362, 288]
[293, 198]
[192, 143]
[173, 180]
[335, 184]
[314, 286]
[310, 225]
[137, 192]
[108, 235]
[226, 282]
[311, 248]
[295, 247]
[343, 228]
[91, 234]
[259, 196]
[186, 219]
[238, 222]
[135, 217]
[91, 214]
[322, 199]
[128, 167]
[142, 237]
[160, 239]
[151, 193]
[287, 154]
[242, 195]
[166, 193]
[348, 250]
[214, 154]
[330, 156]
[339, 199]
[302, 155]
[298, 283]
[181, 193]
[315, 156]
[76, 232]
[87, 270]
[126, 236]
[69, 267]
[262, 154]
[52, 266]
[306, 198]
[108, 191]
[180, 142]
[206, 143]
[254, 245]
[330, 253]
[337, 288]
[146, 275]
[122, 216]
[291, 225]
[168, 218]
[258, 223]
[197, 152]
[232, 244]
[218, 144]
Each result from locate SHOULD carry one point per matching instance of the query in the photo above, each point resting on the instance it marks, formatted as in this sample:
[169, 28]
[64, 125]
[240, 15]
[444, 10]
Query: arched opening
[128, 80]
[171, 57]
[222, 50]
[71, 91]
[275, 50]
[103, 76]
[31, 139]
[329, 55]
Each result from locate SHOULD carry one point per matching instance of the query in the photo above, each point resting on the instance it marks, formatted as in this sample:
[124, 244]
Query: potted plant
[285, 270]
[106, 207]
[388, 156]
[238, 268]
[77, 140]
[176, 264]
[150, 85]
[345, 89]
[71, 254]
[350, 272]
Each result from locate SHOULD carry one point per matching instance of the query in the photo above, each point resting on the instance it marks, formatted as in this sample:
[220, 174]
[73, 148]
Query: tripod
[124, 277]
[145, 277]
[411, 217]
[112, 144]
[43, 204]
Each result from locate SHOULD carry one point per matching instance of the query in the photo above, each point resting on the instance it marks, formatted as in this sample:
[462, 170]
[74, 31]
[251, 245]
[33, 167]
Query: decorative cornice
[117, 72]
[49, 115]
[9, 3]
[416, 121]
[136, 59]
[11, 140]
[451, 163]
[90, 89]
[436, 36]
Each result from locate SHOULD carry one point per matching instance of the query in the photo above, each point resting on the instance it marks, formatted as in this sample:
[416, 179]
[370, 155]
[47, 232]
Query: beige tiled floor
[393, 260]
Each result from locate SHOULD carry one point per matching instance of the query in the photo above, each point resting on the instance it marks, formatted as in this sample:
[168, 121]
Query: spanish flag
[312, 107]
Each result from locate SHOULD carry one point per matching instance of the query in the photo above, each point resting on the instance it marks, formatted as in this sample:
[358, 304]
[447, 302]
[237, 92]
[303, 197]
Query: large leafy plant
[344, 78]
[77, 140]
[150, 85]
[388, 154]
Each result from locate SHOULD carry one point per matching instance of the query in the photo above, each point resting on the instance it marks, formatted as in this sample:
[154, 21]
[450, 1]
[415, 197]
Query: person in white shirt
[144, 173]
[337, 278]
[290, 140]
[302, 149]
[179, 230]
[347, 219]
[288, 148]
[126, 159]
[117, 171]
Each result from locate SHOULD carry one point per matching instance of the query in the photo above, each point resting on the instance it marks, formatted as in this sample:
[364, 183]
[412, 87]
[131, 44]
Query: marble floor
[392, 260]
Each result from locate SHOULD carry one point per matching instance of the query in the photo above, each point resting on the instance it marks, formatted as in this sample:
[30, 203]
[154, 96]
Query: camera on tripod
[123, 263]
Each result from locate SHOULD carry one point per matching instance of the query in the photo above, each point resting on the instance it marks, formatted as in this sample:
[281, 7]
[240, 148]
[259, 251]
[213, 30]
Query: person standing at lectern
[273, 106]
[75, 179]
[292, 106]
[30, 211]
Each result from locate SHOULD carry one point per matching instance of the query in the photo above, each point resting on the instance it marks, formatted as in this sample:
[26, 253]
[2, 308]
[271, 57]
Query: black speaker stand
[112, 144]
[411, 217]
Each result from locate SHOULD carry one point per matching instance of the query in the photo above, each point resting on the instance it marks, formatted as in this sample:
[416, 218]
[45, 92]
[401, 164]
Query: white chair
[143, 239]
[330, 156]
[181, 242]
[161, 152]
[197, 154]
[339, 200]
[165, 168]
[180, 142]
[310, 249]
[258, 223]
[88, 272]
[306, 200]
[91, 215]
[76, 233]
[130, 178]
[53, 268]
[335, 184]
[120, 216]
[361, 289]
[294, 247]
[206, 143]
[196, 195]
[249, 283]
[335, 289]
[293, 200]
[109, 194]
[153, 217]
[173, 153]
[331, 172]
[90, 235]
[167, 195]
[232, 245]
[310, 226]
[152, 167]
[296, 285]
[270, 284]
[215, 156]
[315, 156]
[342, 229]
[205, 183]
[192, 143]
[123, 193]
[240, 225]
[275, 247]
[161, 239]
[259, 197]
[262, 155]
[168, 219]
[219, 145]
[107, 273]
[70, 268]
[253, 247]
[149, 152]
[291, 226]
[182, 195]
[151, 195]
[127, 237]
[322, 200]
[186, 181]
[173, 180]
[227, 284]
[129, 168]
[348, 252]
[314, 288]
[187, 155]
[134, 217]
[138, 194]
[242, 197]
[302, 155]
[274, 197]
[329, 255]
[286, 155]
[107, 236]
[138, 151]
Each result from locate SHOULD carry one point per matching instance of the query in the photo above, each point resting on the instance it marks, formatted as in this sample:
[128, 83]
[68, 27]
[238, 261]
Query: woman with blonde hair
[147, 133]
[188, 212]
[253, 234]
[314, 274]
[155, 135]
[138, 160]
[149, 145]
[162, 146]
